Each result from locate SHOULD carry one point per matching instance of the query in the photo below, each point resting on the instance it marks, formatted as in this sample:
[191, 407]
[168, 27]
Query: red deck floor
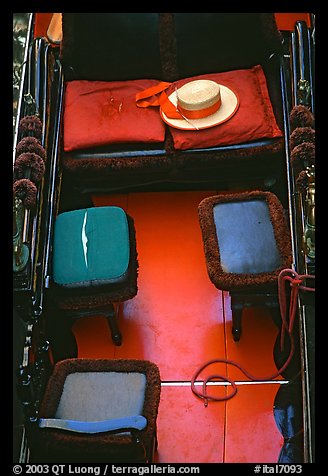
[179, 320]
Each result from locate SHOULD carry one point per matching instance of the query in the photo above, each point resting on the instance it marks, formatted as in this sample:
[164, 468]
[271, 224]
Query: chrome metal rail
[299, 62]
[42, 87]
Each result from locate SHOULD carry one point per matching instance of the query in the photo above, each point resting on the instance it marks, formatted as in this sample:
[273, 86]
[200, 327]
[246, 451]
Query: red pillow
[99, 113]
[253, 120]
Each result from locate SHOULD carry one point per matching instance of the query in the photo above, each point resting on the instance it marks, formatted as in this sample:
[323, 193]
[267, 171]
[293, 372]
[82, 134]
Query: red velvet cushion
[253, 120]
[100, 113]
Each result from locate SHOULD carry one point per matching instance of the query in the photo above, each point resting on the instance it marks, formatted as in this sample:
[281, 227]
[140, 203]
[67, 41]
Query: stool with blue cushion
[247, 243]
[98, 410]
[95, 262]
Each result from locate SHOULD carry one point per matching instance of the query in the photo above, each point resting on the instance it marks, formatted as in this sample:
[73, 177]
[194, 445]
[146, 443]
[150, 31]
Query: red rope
[288, 320]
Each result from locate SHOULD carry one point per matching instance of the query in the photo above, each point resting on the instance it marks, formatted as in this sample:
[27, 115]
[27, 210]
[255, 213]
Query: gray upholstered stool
[247, 244]
[98, 411]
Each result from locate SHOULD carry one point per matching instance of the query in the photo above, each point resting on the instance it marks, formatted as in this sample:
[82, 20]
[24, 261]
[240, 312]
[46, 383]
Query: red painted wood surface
[179, 320]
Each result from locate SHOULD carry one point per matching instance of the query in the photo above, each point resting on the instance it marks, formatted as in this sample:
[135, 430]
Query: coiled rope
[288, 320]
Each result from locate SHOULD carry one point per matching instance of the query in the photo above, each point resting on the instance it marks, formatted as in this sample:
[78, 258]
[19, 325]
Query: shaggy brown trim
[302, 181]
[174, 161]
[94, 165]
[30, 144]
[301, 134]
[100, 296]
[104, 444]
[26, 191]
[221, 156]
[29, 161]
[31, 125]
[302, 156]
[301, 116]
[243, 281]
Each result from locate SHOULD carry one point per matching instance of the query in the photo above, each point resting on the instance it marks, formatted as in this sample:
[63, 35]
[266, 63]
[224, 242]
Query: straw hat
[201, 104]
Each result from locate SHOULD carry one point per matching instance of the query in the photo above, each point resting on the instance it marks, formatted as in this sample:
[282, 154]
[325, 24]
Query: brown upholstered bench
[131, 49]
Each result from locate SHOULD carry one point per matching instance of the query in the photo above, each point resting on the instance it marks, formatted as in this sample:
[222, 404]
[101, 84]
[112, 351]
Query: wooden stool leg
[111, 316]
[237, 311]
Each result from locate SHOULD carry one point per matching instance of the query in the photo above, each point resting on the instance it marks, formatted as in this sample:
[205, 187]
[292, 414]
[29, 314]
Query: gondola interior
[115, 273]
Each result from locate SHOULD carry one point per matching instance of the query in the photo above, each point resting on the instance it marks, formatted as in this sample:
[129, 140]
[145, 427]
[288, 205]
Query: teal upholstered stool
[95, 261]
[247, 243]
